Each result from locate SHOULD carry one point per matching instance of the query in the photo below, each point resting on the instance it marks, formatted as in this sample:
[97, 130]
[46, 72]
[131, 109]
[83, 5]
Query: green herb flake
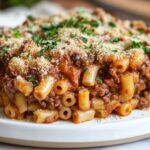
[146, 50]
[70, 23]
[1, 35]
[28, 55]
[112, 24]
[141, 31]
[36, 39]
[50, 31]
[88, 31]
[32, 79]
[99, 80]
[16, 34]
[4, 51]
[114, 50]
[40, 53]
[72, 35]
[30, 29]
[84, 70]
[94, 23]
[30, 17]
[136, 44]
[84, 39]
[100, 44]
[89, 46]
[115, 40]
[130, 33]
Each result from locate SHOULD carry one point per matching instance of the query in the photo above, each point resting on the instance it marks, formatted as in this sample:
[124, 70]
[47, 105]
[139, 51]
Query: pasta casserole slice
[75, 66]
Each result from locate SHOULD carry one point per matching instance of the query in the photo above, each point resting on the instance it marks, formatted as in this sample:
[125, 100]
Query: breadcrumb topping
[84, 32]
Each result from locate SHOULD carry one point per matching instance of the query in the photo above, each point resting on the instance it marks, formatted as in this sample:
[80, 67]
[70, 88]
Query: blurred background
[13, 12]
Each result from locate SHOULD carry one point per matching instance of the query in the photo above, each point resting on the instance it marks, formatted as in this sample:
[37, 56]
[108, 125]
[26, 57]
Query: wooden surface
[68, 4]
[124, 9]
[141, 7]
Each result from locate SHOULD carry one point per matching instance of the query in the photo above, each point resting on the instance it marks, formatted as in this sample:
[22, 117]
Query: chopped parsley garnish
[99, 80]
[112, 24]
[36, 39]
[100, 44]
[30, 29]
[32, 79]
[130, 33]
[41, 53]
[50, 31]
[69, 23]
[16, 34]
[81, 23]
[146, 50]
[30, 17]
[89, 46]
[1, 35]
[47, 45]
[84, 70]
[84, 39]
[114, 50]
[141, 31]
[115, 40]
[72, 35]
[136, 44]
[94, 23]
[4, 51]
[88, 31]
[28, 55]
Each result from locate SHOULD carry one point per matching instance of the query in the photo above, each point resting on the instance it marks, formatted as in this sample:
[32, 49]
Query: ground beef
[143, 103]
[54, 101]
[9, 89]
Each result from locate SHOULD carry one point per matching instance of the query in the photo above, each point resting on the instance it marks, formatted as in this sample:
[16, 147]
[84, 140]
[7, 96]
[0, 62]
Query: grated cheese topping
[85, 32]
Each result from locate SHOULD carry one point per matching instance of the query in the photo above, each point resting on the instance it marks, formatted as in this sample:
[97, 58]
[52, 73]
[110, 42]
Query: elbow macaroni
[20, 102]
[127, 87]
[23, 86]
[121, 65]
[11, 111]
[136, 60]
[89, 75]
[82, 116]
[44, 88]
[61, 87]
[45, 116]
[69, 99]
[125, 109]
[65, 113]
[84, 99]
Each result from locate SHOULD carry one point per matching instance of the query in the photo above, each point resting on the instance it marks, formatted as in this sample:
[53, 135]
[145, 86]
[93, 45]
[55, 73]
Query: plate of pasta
[75, 79]
[111, 131]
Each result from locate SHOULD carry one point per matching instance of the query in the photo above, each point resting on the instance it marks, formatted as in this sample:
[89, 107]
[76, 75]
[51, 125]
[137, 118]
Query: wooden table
[68, 4]
[125, 9]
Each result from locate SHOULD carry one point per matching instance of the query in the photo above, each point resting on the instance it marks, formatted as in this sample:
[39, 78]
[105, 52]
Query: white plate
[111, 131]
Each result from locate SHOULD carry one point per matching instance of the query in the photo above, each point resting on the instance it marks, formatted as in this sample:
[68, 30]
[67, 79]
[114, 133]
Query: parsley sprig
[32, 78]
[140, 44]
[136, 44]
[4, 51]
[112, 24]
[115, 40]
[99, 80]
[16, 34]
[146, 50]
